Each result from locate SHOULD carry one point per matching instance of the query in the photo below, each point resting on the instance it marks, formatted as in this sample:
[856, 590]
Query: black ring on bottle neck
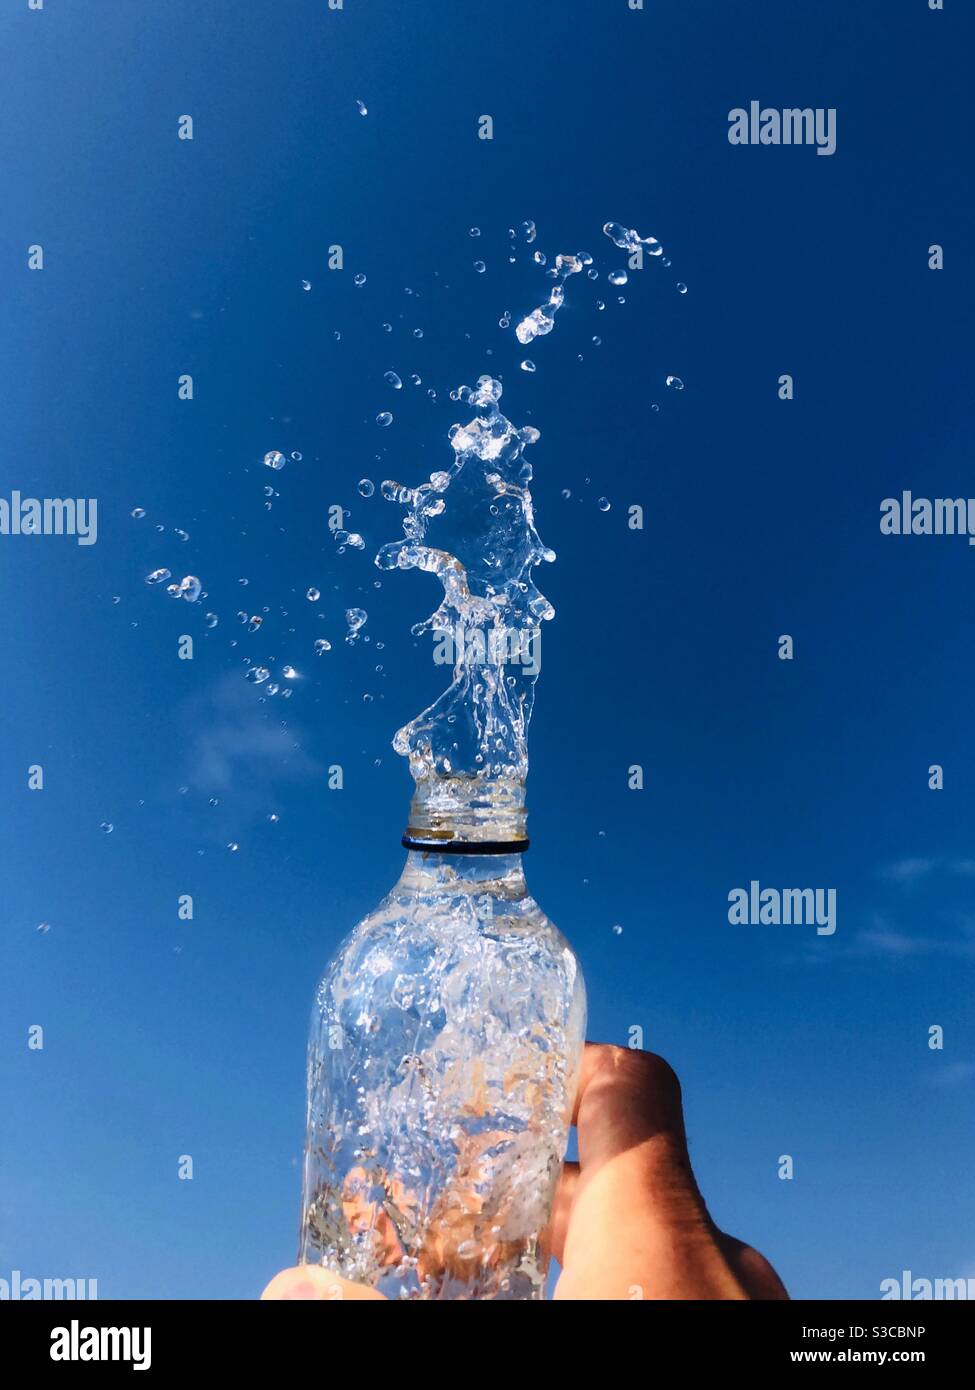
[465, 846]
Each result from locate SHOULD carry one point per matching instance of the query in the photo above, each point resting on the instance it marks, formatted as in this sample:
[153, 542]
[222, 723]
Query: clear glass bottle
[445, 1044]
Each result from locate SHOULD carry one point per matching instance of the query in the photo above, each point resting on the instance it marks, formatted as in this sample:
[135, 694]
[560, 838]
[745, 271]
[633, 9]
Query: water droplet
[617, 277]
[566, 493]
[675, 382]
[44, 927]
[138, 513]
[366, 487]
[681, 287]
[393, 380]
[530, 231]
[257, 674]
[359, 279]
[362, 108]
[296, 456]
[321, 645]
[273, 817]
[597, 340]
[367, 699]
[416, 380]
[190, 588]
[384, 418]
[505, 320]
[275, 459]
[387, 328]
[106, 827]
[289, 673]
[474, 231]
[604, 504]
[617, 929]
[480, 267]
[306, 285]
[527, 365]
[255, 622]
[158, 576]
[211, 620]
[183, 535]
[233, 846]
[418, 332]
[355, 618]
[313, 595]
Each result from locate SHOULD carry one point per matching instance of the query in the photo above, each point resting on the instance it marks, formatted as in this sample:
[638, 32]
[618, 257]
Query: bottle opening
[467, 815]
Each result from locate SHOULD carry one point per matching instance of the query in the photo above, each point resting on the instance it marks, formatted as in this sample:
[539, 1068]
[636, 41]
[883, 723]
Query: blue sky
[164, 257]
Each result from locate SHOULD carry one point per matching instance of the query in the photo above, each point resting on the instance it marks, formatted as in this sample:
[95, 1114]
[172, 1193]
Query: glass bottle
[445, 1043]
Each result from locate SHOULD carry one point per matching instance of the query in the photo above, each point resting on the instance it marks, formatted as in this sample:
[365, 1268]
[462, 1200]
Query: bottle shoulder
[408, 932]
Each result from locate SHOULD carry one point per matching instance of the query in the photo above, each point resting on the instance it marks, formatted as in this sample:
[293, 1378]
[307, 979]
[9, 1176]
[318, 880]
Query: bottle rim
[461, 814]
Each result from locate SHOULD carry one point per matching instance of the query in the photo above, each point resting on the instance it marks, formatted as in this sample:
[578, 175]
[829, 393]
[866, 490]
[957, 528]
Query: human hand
[629, 1221]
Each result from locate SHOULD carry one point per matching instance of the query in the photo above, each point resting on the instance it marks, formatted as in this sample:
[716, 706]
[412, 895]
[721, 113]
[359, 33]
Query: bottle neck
[496, 875]
[468, 816]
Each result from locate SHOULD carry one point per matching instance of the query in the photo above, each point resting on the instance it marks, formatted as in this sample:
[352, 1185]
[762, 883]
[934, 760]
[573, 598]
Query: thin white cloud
[235, 739]
[907, 871]
[882, 940]
[953, 1074]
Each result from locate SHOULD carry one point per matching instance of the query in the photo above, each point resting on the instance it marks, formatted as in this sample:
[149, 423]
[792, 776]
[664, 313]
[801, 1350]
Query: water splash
[482, 545]
[542, 320]
[628, 240]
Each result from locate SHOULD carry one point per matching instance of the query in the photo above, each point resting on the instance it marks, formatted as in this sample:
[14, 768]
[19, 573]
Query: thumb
[313, 1282]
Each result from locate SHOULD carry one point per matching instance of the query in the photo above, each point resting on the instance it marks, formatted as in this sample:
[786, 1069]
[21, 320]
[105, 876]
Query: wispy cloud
[907, 871]
[884, 942]
[910, 871]
[236, 742]
[953, 1074]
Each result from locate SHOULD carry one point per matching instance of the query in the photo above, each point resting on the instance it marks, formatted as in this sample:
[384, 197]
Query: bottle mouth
[467, 815]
